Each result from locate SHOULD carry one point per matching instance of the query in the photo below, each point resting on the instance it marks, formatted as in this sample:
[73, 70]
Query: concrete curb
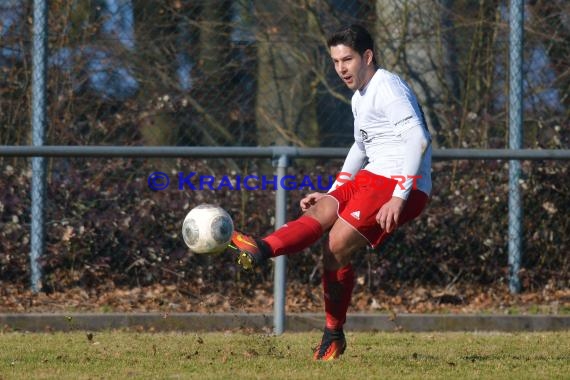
[300, 322]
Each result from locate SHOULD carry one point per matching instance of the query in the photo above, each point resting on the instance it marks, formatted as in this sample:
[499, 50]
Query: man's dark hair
[355, 37]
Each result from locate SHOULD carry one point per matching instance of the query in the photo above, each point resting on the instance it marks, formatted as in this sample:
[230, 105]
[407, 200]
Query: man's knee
[336, 255]
[342, 242]
[336, 245]
[324, 212]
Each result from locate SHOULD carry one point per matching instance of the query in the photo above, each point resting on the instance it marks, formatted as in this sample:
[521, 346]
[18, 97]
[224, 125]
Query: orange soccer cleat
[332, 345]
[250, 252]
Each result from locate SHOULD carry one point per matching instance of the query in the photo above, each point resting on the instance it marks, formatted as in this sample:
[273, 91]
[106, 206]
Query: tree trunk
[285, 107]
[409, 42]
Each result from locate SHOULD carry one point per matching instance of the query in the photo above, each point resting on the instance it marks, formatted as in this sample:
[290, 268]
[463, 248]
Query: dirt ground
[300, 298]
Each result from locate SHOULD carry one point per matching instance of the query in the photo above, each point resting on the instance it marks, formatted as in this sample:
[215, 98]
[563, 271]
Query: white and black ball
[207, 229]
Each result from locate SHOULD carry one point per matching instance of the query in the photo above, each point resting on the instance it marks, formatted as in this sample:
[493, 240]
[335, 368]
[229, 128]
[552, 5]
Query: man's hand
[310, 200]
[389, 214]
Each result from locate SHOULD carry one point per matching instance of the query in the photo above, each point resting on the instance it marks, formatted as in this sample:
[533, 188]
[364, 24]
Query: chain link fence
[257, 73]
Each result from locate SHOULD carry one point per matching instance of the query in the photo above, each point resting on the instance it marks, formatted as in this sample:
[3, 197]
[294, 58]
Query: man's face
[354, 70]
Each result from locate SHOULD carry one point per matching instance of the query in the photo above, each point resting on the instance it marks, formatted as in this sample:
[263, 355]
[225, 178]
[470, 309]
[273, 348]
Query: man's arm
[353, 162]
[415, 143]
[409, 126]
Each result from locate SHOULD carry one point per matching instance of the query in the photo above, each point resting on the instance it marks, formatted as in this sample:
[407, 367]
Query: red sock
[294, 236]
[337, 286]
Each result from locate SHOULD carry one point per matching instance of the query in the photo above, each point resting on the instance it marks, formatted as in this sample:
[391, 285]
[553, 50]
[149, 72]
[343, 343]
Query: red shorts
[360, 200]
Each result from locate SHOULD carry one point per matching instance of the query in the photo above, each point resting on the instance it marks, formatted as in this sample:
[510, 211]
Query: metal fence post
[39, 74]
[516, 20]
[281, 261]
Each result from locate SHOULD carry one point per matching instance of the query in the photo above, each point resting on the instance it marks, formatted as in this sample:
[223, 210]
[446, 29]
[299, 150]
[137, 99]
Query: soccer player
[385, 182]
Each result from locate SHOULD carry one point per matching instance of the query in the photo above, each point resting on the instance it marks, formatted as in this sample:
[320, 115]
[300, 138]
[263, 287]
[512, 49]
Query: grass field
[374, 355]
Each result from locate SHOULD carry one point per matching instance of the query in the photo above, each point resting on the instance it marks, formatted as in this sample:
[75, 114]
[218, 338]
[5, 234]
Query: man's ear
[368, 56]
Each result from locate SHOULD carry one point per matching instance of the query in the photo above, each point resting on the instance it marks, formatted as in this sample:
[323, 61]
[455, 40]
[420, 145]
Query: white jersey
[391, 137]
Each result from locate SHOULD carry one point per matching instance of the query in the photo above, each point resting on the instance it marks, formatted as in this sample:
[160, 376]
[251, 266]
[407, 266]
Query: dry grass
[117, 354]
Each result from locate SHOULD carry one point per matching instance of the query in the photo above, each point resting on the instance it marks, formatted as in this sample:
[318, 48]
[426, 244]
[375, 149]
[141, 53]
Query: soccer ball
[207, 229]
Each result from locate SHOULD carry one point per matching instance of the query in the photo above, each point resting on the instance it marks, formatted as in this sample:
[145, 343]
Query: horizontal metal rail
[277, 151]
